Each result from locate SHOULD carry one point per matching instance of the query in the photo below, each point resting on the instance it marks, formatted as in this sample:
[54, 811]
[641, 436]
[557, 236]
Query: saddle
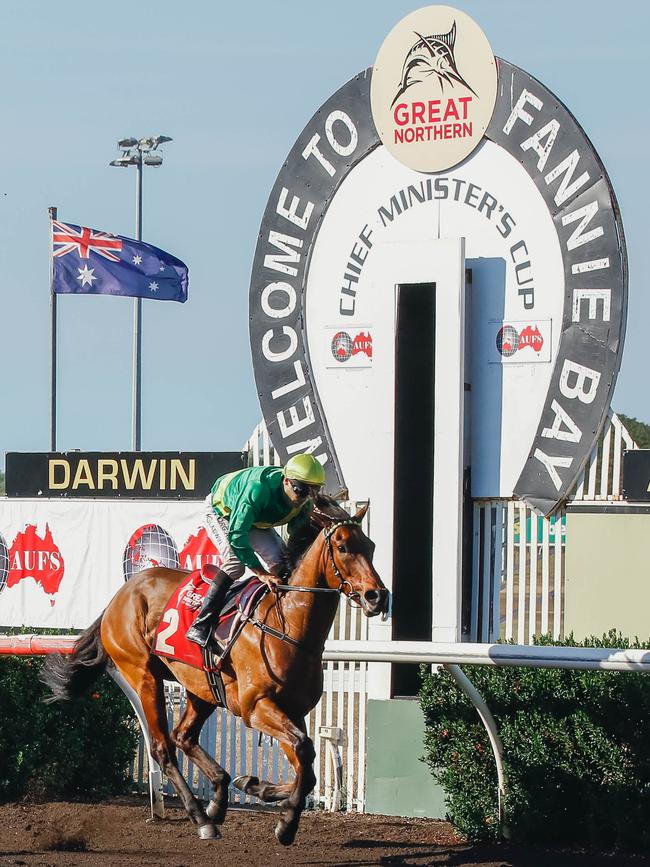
[180, 612]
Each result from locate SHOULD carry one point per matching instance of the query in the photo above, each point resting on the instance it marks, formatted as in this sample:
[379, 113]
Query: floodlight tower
[139, 153]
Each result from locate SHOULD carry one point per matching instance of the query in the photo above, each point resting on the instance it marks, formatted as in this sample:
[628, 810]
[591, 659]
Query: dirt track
[117, 835]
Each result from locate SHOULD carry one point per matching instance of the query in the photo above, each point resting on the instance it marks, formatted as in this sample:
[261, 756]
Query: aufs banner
[61, 561]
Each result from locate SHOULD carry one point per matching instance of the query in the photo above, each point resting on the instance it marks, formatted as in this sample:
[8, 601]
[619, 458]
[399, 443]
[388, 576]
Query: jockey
[242, 509]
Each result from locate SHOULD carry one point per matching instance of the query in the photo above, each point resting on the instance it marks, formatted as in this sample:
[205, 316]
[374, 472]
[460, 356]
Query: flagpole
[136, 434]
[53, 334]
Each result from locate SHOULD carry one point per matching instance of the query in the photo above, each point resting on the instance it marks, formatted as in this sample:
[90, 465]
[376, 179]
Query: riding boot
[199, 631]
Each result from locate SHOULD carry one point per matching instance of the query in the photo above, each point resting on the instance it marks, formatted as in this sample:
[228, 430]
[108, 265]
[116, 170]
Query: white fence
[518, 557]
[517, 592]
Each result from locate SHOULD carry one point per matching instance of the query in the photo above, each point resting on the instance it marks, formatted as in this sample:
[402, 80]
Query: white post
[449, 436]
[333, 737]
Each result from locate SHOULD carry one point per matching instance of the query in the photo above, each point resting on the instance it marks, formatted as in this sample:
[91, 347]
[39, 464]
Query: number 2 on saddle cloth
[182, 608]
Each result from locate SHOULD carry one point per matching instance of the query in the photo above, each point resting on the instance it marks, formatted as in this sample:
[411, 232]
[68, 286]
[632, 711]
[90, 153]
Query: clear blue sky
[233, 84]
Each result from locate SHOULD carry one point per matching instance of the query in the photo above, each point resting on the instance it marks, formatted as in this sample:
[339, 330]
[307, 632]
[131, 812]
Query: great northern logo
[432, 56]
[433, 88]
[36, 557]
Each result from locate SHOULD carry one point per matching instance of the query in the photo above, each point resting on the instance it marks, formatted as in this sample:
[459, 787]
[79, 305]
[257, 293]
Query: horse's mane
[326, 511]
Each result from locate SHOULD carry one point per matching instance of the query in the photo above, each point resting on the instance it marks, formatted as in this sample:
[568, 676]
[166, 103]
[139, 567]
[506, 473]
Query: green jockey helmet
[305, 468]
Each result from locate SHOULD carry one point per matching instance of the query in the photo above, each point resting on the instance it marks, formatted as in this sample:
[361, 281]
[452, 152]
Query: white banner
[61, 561]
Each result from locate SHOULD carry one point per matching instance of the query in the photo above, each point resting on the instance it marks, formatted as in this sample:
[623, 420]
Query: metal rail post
[497, 747]
[155, 774]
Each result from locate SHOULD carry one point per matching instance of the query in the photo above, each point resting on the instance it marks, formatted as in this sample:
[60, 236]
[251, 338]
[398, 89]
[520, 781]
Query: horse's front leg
[270, 719]
[186, 737]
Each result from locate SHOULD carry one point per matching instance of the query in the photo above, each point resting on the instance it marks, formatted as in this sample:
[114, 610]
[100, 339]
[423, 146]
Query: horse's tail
[69, 675]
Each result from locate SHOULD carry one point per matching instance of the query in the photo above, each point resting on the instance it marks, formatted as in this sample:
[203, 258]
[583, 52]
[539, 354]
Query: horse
[273, 676]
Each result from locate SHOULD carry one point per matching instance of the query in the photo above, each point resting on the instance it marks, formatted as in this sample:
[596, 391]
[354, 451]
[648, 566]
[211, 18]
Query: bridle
[353, 595]
[328, 532]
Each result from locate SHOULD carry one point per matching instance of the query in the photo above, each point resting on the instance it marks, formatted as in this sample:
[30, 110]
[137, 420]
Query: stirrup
[199, 636]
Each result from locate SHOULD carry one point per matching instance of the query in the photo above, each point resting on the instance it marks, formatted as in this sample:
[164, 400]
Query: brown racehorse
[270, 682]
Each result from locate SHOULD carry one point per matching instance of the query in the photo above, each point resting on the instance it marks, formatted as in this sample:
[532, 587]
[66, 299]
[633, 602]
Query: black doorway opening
[413, 483]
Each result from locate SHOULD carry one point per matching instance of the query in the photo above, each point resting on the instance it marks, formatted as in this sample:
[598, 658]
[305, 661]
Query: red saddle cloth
[181, 611]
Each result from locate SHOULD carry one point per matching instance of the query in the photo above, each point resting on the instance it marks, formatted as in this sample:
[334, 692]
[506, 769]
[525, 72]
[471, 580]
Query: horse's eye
[342, 549]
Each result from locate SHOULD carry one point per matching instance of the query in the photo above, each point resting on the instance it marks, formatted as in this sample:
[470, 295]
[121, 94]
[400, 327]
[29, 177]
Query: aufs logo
[344, 346]
[37, 558]
[433, 88]
[199, 550]
[510, 341]
[353, 351]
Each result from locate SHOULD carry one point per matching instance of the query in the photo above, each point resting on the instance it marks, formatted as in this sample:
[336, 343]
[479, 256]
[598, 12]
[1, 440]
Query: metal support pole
[136, 432]
[53, 347]
[491, 727]
[155, 774]
[333, 737]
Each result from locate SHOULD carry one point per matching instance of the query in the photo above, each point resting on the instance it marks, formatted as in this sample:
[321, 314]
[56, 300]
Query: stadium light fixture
[124, 162]
[138, 153]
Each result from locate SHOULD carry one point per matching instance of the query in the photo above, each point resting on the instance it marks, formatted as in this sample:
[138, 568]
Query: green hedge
[576, 751]
[77, 749]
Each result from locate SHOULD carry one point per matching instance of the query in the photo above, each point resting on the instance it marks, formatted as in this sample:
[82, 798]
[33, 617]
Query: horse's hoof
[243, 783]
[285, 834]
[208, 832]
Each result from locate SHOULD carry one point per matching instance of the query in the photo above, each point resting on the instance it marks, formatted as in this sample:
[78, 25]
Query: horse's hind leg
[263, 789]
[186, 737]
[269, 718]
[152, 695]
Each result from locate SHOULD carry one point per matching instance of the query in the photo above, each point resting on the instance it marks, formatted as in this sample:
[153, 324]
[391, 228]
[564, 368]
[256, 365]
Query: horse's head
[349, 558]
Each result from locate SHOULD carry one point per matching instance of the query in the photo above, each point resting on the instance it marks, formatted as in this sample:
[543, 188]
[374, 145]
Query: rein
[327, 533]
[283, 636]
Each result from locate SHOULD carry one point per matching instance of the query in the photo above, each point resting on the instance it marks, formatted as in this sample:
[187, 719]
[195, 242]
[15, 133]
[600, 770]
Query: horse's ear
[361, 514]
[320, 519]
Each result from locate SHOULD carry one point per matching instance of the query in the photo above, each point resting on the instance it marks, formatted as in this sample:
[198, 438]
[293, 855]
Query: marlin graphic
[431, 55]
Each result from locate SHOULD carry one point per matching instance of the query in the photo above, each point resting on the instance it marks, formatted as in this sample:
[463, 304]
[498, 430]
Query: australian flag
[88, 262]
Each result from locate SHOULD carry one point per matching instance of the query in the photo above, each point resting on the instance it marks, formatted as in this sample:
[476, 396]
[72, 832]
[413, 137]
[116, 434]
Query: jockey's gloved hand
[268, 579]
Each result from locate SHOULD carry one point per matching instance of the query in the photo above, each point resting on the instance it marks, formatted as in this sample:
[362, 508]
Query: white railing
[260, 448]
[518, 556]
[601, 479]
[517, 593]
[518, 572]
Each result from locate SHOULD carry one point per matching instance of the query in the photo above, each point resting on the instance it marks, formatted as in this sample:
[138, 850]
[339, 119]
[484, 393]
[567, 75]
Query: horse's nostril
[372, 595]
